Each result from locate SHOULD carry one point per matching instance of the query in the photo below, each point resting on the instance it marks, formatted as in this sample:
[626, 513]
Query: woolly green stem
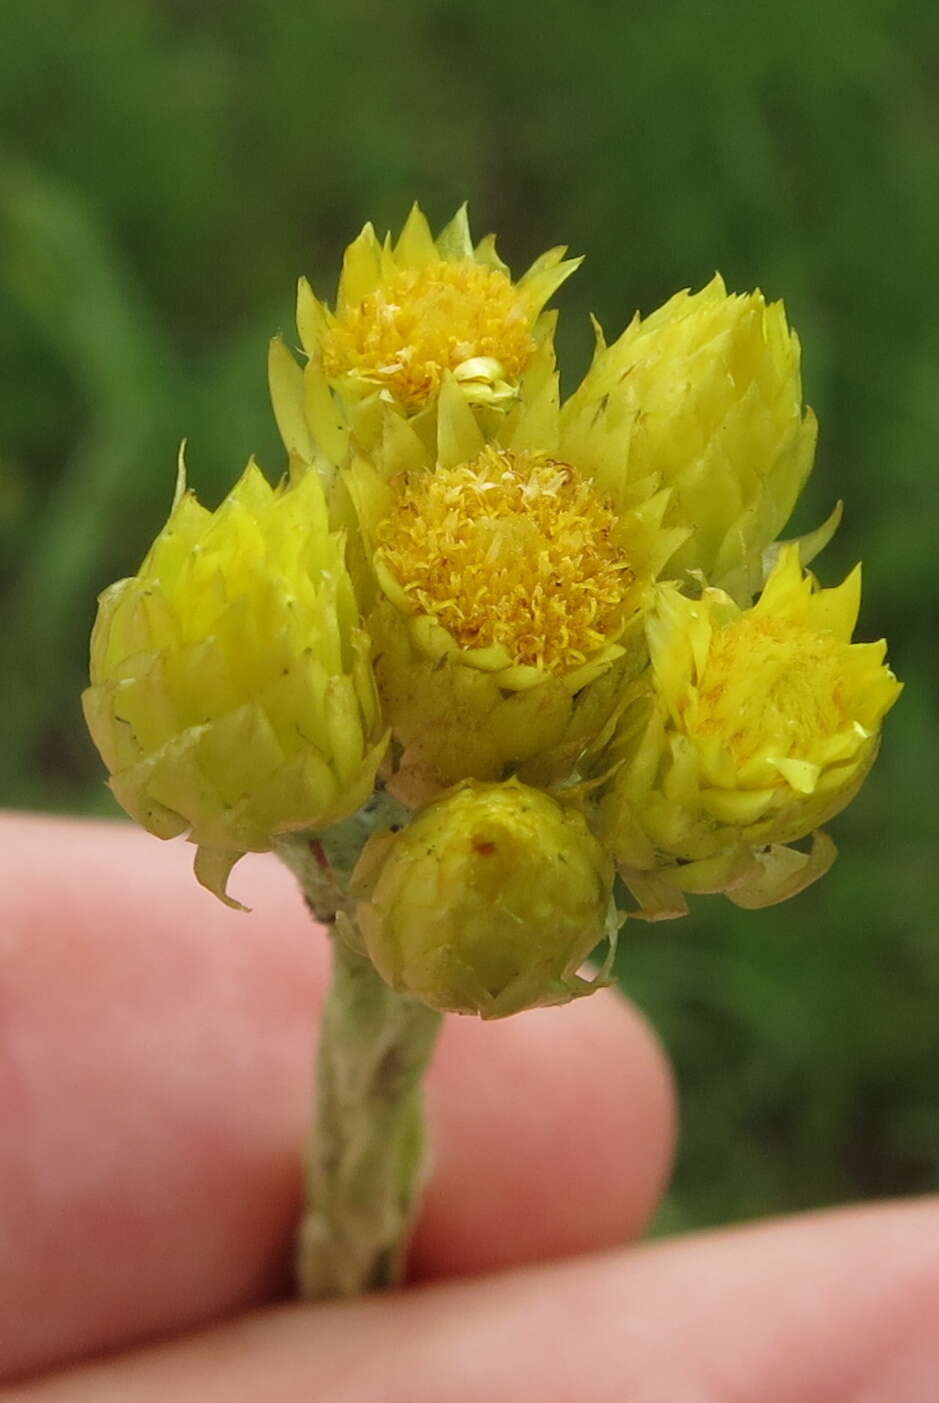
[367, 1150]
[367, 1153]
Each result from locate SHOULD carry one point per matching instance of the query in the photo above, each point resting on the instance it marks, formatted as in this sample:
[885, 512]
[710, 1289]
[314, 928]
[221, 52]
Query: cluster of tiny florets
[407, 334]
[514, 549]
[773, 684]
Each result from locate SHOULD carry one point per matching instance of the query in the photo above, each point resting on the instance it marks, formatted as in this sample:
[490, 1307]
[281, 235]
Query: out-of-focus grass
[167, 170]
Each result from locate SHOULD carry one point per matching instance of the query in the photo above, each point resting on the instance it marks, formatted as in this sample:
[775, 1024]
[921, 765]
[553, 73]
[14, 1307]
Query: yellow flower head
[711, 388]
[761, 725]
[231, 690]
[504, 583]
[512, 553]
[410, 315]
[488, 902]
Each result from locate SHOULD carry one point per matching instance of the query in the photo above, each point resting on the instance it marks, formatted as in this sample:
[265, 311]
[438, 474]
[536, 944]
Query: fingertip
[553, 1134]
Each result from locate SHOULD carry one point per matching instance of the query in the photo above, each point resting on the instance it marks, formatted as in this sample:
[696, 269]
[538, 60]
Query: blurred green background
[166, 172]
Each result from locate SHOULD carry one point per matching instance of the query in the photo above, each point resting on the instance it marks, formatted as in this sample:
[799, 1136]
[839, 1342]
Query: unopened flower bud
[710, 387]
[232, 693]
[488, 902]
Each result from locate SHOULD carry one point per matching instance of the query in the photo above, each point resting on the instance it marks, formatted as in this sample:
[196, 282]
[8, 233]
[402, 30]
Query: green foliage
[168, 170]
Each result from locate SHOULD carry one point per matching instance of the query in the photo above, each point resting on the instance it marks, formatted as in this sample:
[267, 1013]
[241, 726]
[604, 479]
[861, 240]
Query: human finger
[155, 1088]
[830, 1306]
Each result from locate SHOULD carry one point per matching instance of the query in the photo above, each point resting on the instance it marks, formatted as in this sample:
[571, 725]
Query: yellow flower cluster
[560, 631]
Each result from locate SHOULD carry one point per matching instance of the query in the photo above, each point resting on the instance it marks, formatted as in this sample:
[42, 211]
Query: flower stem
[367, 1153]
[367, 1150]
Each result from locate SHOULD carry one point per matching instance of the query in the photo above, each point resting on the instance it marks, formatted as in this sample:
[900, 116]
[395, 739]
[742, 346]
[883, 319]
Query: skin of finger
[586, 1095]
[830, 1308]
[155, 1089]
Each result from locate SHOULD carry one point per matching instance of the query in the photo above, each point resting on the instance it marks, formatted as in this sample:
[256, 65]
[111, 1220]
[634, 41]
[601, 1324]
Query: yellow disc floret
[515, 550]
[413, 314]
[406, 334]
[775, 686]
[773, 697]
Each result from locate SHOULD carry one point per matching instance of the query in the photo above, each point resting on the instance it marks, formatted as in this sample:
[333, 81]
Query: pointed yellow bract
[754, 728]
[488, 902]
[231, 689]
[408, 315]
[710, 388]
